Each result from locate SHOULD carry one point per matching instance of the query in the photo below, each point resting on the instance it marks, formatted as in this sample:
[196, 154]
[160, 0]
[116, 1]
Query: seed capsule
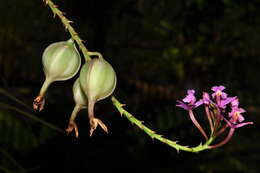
[80, 103]
[61, 61]
[98, 81]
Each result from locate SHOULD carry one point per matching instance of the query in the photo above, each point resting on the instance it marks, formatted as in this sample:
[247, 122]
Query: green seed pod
[80, 103]
[61, 61]
[98, 81]
[78, 95]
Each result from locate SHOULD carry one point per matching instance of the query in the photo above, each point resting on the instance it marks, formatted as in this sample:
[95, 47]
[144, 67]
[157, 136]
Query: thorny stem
[154, 135]
[68, 27]
[116, 103]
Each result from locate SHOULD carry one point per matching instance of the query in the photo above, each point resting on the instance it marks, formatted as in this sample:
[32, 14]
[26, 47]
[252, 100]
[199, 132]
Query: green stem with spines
[68, 27]
[154, 135]
[117, 104]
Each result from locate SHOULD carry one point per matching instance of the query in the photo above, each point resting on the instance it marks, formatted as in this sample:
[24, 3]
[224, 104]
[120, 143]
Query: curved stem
[99, 55]
[222, 130]
[75, 111]
[12, 160]
[209, 119]
[14, 98]
[154, 135]
[45, 86]
[33, 117]
[5, 169]
[195, 122]
[230, 134]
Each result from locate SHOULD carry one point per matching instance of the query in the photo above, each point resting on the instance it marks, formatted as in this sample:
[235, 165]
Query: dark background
[159, 48]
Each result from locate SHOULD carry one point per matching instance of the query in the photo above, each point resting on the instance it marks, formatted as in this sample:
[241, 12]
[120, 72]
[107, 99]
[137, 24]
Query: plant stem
[4, 92]
[12, 160]
[31, 116]
[4, 169]
[116, 103]
[154, 135]
[195, 122]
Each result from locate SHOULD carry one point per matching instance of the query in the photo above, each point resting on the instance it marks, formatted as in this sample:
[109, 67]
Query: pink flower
[218, 92]
[189, 102]
[236, 118]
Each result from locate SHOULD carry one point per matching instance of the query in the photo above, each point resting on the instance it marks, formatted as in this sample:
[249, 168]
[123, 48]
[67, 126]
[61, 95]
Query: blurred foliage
[159, 49]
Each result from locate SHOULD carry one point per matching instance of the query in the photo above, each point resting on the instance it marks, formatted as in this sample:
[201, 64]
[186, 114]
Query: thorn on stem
[69, 21]
[45, 2]
[122, 105]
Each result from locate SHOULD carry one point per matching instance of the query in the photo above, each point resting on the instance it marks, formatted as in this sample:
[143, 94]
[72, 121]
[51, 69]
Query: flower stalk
[214, 109]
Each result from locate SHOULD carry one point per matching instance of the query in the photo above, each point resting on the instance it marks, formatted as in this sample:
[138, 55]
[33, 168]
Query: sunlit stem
[230, 134]
[193, 119]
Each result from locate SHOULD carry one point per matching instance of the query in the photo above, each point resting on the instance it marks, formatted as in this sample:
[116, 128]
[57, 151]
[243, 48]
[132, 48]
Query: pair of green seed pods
[97, 80]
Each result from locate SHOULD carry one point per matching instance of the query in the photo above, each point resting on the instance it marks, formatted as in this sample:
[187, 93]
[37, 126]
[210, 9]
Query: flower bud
[80, 103]
[98, 81]
[61, 61]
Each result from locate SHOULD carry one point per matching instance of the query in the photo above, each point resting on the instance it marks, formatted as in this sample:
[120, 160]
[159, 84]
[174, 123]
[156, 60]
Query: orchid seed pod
[61, 61]
[80, 103]
[98, 81]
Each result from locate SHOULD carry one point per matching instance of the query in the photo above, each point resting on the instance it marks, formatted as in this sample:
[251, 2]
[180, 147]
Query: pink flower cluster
[222, 112]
